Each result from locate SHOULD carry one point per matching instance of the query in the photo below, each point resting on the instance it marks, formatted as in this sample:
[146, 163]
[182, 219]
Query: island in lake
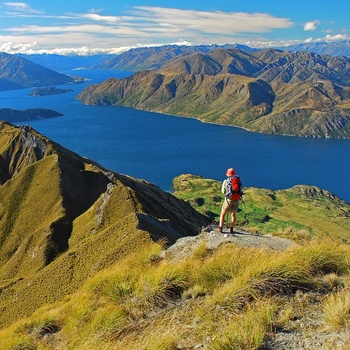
[14, 115]
[46, 91]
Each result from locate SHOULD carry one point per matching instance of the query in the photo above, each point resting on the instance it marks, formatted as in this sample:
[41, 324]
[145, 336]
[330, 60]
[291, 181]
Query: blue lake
[158, 147]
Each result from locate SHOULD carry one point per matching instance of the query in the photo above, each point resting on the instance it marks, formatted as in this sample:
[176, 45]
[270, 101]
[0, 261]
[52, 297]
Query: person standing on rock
[232, 188]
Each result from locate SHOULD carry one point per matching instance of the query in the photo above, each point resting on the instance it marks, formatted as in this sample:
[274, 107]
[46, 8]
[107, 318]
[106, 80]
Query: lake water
[158, 147]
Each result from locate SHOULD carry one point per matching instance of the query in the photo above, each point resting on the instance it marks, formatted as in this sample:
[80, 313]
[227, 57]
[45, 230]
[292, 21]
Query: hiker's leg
[233, 218]
[234, 208]
[223, 213]
[222, 217]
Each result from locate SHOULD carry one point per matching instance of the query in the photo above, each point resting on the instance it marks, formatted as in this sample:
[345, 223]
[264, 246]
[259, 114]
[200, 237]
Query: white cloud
[222, 23]
[337, 37]
[16, 8]
[93, 32]
[143, 25]
[11, 47]
[311, 25]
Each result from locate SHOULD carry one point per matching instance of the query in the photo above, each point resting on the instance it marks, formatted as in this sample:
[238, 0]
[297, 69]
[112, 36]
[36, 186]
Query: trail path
[187, 245]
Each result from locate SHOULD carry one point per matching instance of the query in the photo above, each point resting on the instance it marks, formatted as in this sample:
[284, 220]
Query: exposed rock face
[270, 91]
[63, 216]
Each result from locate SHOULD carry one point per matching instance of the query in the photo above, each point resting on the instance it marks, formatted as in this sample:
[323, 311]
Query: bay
[158, 147]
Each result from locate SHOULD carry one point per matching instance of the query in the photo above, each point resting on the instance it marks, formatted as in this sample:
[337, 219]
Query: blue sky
[113, 26]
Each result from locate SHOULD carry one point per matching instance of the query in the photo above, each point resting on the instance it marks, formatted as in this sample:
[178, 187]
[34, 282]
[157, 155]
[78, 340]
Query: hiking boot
[219, 229]
[231, 229]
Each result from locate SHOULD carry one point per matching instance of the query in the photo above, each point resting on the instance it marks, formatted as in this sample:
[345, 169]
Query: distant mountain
[63, 63]
[268, 91]
[14, 115]
[19, 73]
[64, 217]
[336, 48]
[152, 57]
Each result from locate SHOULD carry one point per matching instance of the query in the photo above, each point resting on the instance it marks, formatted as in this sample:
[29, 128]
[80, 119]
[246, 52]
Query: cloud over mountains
[29, 30]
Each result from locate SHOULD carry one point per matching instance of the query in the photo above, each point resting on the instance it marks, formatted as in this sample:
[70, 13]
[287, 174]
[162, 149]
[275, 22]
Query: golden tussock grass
[336, 310]
[227, 299]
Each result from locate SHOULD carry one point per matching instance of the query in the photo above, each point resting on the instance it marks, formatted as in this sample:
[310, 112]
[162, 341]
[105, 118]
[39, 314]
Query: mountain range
[293, 92]
[140, 58]
[269, 91]
[20, 73]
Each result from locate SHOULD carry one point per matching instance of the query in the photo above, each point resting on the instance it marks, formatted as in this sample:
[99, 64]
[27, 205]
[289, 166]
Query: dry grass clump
[298, 235]
[337, 310]
[229, 299]
[247, 331]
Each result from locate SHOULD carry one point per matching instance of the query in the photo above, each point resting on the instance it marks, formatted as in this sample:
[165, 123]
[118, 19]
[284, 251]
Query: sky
[87, 27]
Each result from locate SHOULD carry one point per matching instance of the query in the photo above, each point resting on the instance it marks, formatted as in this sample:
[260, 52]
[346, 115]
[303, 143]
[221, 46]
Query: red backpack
[233, 188]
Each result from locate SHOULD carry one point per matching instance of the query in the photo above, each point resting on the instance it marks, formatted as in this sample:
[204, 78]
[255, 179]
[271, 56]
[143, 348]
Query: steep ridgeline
[269, 91]
[19, 73]
[64, 217]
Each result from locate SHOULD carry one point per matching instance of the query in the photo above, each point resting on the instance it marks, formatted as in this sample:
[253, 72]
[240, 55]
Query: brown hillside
[258, 91]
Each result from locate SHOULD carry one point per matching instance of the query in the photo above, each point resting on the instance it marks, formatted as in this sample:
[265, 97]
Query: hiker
[231, 187]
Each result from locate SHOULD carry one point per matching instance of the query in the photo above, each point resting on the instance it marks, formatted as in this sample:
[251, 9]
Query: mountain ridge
[127, 60]
[20, 73]
[259, 91]
[58, 210]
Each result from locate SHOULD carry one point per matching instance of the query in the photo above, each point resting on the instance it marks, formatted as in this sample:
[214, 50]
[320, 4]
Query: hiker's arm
[223, 187]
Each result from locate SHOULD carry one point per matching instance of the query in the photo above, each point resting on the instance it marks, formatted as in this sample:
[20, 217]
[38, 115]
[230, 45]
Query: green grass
[302, 212]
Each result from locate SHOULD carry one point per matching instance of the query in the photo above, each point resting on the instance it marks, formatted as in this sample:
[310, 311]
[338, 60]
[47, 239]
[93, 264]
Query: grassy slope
[316, 212]
[233, 298]
[63, 218]
[114, 289]
[21, 200]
